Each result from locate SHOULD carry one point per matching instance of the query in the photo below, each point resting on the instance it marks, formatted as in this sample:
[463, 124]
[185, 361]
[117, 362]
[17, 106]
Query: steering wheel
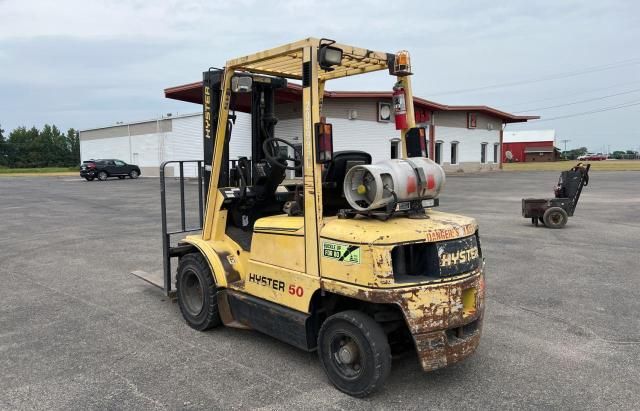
[271, 148]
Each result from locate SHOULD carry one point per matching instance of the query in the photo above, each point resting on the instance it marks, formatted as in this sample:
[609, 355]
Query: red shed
[529, 145]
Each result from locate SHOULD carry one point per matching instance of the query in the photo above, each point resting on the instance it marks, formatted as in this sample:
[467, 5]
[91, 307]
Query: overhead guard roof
[286, 61]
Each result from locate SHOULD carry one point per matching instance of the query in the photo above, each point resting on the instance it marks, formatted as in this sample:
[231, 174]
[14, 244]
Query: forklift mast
[211, 89]
[263, 120]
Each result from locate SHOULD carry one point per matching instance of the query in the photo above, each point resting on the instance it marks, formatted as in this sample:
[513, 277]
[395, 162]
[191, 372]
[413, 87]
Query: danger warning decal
[341, 252]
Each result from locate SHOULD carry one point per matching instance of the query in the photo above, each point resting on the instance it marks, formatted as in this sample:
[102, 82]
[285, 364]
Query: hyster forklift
[349, 259]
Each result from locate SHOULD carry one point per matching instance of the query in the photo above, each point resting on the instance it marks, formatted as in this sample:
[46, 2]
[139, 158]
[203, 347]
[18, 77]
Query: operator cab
[267, 181]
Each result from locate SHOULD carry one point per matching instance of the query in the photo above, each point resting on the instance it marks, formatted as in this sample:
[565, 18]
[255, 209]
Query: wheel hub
[348, 353]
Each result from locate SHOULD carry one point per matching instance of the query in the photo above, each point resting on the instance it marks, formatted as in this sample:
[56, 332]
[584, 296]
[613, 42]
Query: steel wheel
[555, 217]
[346, 356]
[197, 292]
[193, 293]
[354, 352]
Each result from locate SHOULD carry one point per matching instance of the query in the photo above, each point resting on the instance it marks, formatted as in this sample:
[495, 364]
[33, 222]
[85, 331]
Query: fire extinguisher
[400, 107]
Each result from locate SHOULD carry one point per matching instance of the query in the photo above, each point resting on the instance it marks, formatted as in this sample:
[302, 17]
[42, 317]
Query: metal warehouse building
[461, 138]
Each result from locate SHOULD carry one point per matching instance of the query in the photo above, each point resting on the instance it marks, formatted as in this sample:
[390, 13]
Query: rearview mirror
[241, 84]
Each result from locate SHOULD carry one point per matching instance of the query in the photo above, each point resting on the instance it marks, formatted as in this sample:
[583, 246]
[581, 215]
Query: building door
[395, 148]
[438, 154]
[454, 152]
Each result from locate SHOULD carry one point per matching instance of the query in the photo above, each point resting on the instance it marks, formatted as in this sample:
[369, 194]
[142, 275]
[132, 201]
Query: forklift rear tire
[197, 293]
[354, 352]
[555, 217]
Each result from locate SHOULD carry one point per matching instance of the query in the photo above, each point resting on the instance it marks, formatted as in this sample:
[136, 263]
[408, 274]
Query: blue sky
[90, 63]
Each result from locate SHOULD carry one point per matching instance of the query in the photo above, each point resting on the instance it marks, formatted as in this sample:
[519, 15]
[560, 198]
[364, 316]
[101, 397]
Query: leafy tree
[48, 147]
[574, 154]
[618, 155]
[3, 148]
[72, 144]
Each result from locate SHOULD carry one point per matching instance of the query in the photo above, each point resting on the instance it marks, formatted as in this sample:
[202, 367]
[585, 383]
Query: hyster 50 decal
[341, 252]
[277, 285]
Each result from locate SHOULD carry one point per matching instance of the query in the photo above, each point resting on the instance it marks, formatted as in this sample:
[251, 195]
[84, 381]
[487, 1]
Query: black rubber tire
[89, 178]
[555, 217]
[121, 177]
[200, 312]
[102, 176]
[374, 353]
[134, 174]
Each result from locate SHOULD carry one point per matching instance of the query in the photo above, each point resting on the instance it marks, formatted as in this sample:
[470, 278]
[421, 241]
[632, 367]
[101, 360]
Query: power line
[609, 87]
[581, 101]
[593, 69]
[635, 103]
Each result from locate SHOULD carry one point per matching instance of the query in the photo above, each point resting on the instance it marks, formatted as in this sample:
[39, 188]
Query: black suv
[103, 169]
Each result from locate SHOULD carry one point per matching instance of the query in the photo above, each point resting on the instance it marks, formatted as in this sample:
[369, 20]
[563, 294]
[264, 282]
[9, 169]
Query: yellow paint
[288, 293]
[279, 241]
[469, 301]
[439, 226]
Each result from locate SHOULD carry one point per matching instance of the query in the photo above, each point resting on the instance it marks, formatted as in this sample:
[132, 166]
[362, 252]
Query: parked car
[592, 157]
[105, 168]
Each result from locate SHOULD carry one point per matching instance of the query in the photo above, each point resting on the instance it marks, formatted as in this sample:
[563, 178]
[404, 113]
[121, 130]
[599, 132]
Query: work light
[241, 84]
[329, 56]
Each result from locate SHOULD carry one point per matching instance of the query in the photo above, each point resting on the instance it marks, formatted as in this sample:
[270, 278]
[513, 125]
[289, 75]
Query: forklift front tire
[555, 217]
[197, 293]
[354, 352]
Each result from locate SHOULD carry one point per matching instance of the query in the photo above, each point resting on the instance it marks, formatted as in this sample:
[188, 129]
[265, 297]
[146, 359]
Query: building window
[496, 149]
[395, 149]
[483, 153]
[454, 152]
[438, 153]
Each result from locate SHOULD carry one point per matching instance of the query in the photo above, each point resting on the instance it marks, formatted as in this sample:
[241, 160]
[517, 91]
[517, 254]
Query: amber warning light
[402, 64]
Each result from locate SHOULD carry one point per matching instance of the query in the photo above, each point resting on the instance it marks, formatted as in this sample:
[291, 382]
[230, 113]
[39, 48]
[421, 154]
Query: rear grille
[435, 261]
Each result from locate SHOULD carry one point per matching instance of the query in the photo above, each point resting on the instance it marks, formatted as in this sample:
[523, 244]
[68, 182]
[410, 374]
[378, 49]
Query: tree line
[31, 147]
[619, 155]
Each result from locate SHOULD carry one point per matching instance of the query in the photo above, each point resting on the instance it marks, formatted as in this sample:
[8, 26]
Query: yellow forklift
[350, 259]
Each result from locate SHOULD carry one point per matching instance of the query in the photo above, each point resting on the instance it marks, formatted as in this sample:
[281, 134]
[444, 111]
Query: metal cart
[554, 212]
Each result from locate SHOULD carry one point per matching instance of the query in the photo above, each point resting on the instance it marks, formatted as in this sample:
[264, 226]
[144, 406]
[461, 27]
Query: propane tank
[400, 107]
[373, 186]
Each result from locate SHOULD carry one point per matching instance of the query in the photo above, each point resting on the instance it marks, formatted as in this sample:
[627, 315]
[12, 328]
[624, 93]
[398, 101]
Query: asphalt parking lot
[561, 328]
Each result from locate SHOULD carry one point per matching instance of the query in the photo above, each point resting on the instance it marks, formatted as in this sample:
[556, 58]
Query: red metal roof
[192, 93]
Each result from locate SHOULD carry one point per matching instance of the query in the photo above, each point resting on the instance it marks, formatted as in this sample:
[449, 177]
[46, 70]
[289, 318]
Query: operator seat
[333, 198]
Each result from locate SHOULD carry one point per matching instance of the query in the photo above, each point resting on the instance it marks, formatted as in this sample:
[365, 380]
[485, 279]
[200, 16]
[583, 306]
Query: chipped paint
[431, 311]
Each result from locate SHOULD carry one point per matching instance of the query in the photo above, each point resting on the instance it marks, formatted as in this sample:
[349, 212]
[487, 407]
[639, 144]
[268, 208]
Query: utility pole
[564, 153]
